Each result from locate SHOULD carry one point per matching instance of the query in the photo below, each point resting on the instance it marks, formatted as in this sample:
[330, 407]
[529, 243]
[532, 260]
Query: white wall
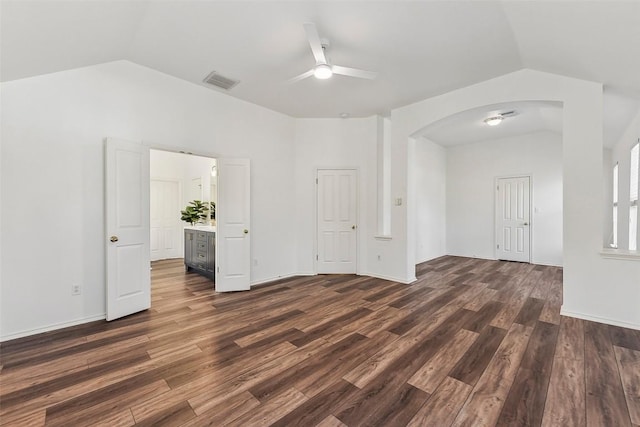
[52, 162]
[430, 194]
[471, 173]
[334, 143]
[595, 288]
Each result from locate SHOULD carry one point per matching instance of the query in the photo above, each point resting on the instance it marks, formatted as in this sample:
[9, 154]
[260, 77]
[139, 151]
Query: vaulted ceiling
[420, 49]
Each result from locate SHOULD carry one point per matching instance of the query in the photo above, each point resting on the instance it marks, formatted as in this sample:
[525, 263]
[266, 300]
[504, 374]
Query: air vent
[217, 80]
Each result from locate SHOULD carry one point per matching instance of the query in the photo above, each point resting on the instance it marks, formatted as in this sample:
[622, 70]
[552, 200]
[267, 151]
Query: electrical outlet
[76, 289]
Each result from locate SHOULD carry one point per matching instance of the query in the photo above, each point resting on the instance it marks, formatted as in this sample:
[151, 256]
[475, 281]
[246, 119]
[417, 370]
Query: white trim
[285, 276]
[389, 278]
[621, 254]
[533, 262]
[598, 319]
[53, 327]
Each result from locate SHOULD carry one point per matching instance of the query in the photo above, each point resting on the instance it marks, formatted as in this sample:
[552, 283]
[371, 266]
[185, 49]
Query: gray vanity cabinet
[200, 252]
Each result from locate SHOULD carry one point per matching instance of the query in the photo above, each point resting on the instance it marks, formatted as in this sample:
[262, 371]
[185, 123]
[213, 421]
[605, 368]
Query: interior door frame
[315, 214]
[496, 237]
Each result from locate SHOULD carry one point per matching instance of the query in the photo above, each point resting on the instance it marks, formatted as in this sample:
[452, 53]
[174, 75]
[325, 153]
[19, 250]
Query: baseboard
[598, 319]
[389, 278]
[546, 264]
[53, 327]
[286, 276]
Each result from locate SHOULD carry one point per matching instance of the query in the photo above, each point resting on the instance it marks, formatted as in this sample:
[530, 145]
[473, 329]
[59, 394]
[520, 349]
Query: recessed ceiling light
[494, 120]
[344, 115]
[322, 71]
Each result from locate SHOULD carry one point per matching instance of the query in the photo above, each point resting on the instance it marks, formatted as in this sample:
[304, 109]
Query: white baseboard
[286, 276]
[53, 327]
[598, 319]
[389, 278]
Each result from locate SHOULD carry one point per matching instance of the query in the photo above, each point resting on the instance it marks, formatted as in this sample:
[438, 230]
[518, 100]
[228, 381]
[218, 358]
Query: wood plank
[443, 406]
[530, 312]
[225, 412]
[429, 377]
[473, 363]
[525, 402]
[485, 402]
[629, 368]
[605, 400]
[331, 421]
[314, 411]
[571, 339]
[272, 410]
[567, 379]
[175, 415]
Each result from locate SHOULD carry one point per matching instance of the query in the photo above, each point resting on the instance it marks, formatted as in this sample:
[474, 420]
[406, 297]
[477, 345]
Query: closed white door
[513, 219]
[166, 227]
[233, 238]
[337, 221]
[127, 228]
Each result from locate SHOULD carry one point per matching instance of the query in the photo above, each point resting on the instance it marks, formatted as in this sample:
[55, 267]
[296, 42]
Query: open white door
[513, 219]
[127, 227]
[233, 241]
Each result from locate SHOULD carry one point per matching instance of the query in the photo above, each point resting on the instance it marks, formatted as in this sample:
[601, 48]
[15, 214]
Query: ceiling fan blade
[315, 43]
[354, 72]
[301, 76]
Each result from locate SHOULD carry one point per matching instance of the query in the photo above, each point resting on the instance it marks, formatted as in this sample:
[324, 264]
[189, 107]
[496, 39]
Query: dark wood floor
[471, 343]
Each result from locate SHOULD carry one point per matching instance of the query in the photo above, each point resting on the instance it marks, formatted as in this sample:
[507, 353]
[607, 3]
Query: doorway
[127, 226]
[513, 218]
[177, 179]
[337, 210]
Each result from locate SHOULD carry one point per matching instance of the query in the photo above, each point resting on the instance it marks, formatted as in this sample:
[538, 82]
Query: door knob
[114, 239]
[353, 227]
[246, 231]
[526, 223]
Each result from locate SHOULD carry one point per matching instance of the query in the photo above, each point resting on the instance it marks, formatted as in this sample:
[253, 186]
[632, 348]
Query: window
[614, 243]
[633, 197]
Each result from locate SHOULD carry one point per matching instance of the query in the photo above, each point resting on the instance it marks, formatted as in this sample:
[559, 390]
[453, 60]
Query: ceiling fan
[323, 69]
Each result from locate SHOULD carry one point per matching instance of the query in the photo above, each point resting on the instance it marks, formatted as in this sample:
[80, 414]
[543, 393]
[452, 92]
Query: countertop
[201, 227]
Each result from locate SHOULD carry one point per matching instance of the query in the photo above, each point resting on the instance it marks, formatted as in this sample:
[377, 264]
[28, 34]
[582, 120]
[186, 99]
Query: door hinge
[497, 246]
[316, 257]
[497, 187]
[218, 269]
[316, 180]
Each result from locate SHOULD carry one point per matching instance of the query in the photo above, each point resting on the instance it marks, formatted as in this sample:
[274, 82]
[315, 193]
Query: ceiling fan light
[494, 120]
[322, 71]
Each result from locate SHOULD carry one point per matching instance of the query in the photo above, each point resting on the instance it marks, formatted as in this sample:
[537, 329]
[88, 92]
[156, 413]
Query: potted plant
[195, 212]
[212, 212]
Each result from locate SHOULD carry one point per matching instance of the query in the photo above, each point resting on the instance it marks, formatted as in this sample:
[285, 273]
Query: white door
[513, 223]
[127, 227]
[233, 238]
[337, 223]
[166, 227]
